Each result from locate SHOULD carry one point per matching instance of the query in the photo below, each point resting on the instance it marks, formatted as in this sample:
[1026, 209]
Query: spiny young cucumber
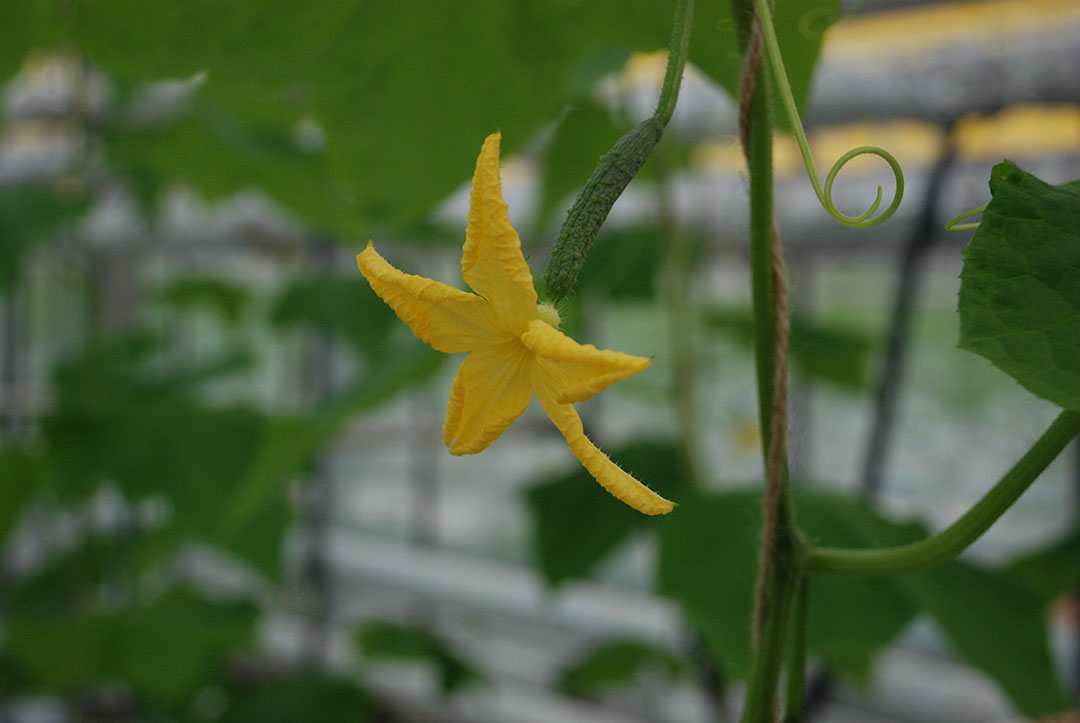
[613, 173]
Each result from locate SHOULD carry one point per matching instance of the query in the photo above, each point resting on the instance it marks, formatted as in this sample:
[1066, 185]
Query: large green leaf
[584, 133]
[996, 624]
[1052, 571]
[1020, 287]
[708, 559]
[577, 524]
[165, 650]
[403, 93]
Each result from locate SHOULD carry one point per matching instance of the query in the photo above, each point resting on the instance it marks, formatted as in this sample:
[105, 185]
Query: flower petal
[491, 260]
[490, 391]
[611, 476]
[577, 371]
[449, 319]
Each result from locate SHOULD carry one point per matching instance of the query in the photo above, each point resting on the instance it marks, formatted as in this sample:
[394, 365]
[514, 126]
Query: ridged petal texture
[449, 319]
[577, 371]
[490, 391]
[512, 354]
[611, 476]
[491, 261]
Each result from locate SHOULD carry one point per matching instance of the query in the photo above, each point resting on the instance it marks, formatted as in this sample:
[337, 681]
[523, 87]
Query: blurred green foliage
[384, 640]
[577, 523]
[618, 663]
[402, 93]
[852, 618]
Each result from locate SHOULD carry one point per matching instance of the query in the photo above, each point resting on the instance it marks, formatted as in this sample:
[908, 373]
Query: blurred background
[223, 490]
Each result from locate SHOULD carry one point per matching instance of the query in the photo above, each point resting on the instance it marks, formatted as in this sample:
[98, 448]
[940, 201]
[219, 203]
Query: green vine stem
[678, 50]
[796, 680]
[955, 224]
[772, 609]
[955, 538]
[824, 192]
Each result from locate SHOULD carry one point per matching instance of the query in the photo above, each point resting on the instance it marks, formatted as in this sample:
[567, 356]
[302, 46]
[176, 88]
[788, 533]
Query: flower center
[548, 314]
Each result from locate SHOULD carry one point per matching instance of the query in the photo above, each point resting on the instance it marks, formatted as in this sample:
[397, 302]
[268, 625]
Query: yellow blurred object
[919, 30]
[1028, 130]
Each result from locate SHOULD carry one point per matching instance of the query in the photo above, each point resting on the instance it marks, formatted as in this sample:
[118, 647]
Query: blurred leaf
[585, 132]
[254, 515]
[370, 78]
[67, 651]
[21, 473]
[383, 639]
[820, 352]
[69, 582]
[618, 663]
[13, 679]
[997, 625]
[114, 418]
[28, 215]
[306, 698]
[223, 297]
[624, 264]
[577, 523]
[404, 361]
[345, 306]
[1053, 571]
[852, 618]
[708, 563]
[1020, 288]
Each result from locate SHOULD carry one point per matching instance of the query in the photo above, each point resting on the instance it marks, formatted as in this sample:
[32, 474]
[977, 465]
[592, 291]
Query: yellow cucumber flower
[515, 348]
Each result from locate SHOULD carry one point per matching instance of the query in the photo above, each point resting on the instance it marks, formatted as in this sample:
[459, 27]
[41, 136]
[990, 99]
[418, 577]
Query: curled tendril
[866, 218]
[824, 192]
[955, 224]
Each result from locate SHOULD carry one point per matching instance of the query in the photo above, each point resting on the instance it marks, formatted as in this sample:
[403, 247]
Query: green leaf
[1020, 288]
[623, 264]
[577, 524]
[28, 215]
[996, 624]
[116, 419]
[708, 561]
[381, 639]
[708, 551]
[584, 133]
[853, 618]
[1052, 571]
[819, 351]
[66, 652]
[309, 696]
[225, 298]
[21, 474]
[402, 94]
[618, 663]
[346, 306]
